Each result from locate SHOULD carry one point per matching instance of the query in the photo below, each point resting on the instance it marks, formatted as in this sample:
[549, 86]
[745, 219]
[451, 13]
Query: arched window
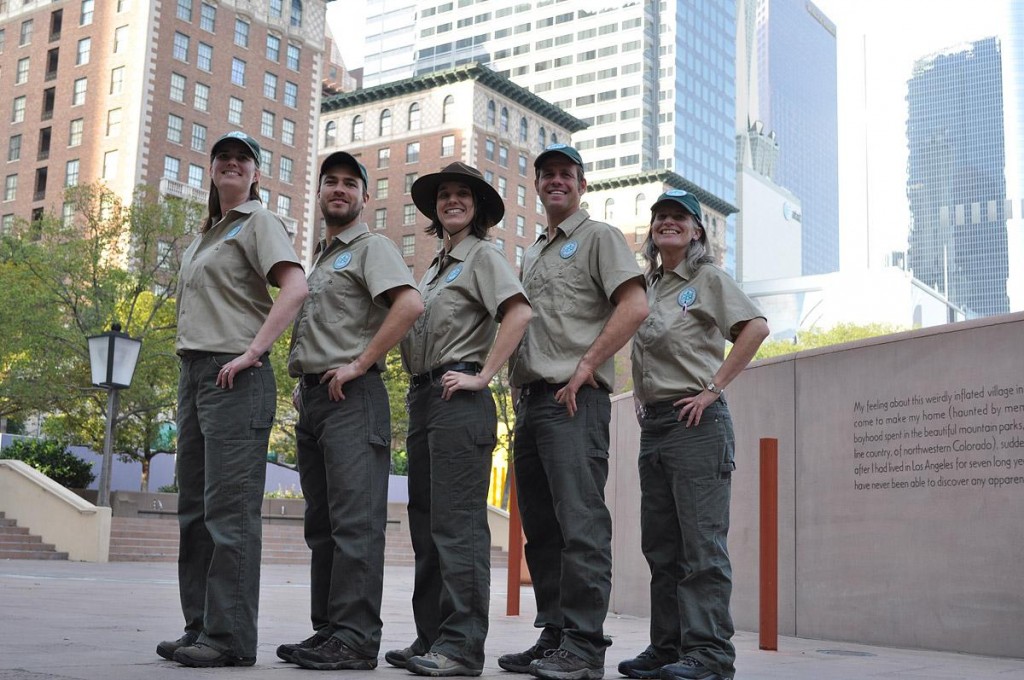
[330, 133]
[609, 210]
[504, 119]
[296, 13]
[357, 128]
[554, 138]
[491, 111]
[447, 108]
[414, 116]
[640, 204]
[524, 129]
[542, 137]
[385, 122]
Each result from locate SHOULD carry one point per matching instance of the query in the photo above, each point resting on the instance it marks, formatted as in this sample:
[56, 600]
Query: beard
[335, 217]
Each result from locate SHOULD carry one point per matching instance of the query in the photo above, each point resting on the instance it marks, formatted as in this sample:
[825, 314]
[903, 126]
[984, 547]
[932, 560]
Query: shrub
[399, 462]
[53, 459]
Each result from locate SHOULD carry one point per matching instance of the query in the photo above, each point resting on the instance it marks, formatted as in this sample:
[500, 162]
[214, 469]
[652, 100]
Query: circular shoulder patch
[568, 250]
[341, 261]
[453, 274]
[234, 231]
[686, 297]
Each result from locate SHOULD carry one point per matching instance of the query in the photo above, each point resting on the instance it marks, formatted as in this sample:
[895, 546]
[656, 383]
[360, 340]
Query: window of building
[285, 169]
[198, 137]
[78, 90]
[75, 129]
[172, 166]
[267, 165]
[235, 111]
[177, 87]
[273, 48]
[185, 10]
[520, 225]
[52, 60]
[269, 85]
[357, 129]
[500, 243]
[296, 17]
[84, 49]
[284, 205]
[414, 116]
[180, 49]
[489, 146]
[504, 119]
[276, 8]
[3, 41]
[409, 214]
[10, 187]
[110, 161]
[446, 108]
[267, 124]
[520, 252]
[204, 57]
[408, 240]
[521, 195]
[291, 95]
[113, 122]
[14, 147]
[491, 113]
[380, 218]
[120, 38]
[117, 80]
[292, 57]
[21, 71]
[195, 175]
[43, 151]
[25, 37]
[40, 191]
[382, 188]
[174, 127]
[448, 145]
[264, 196]
[207, 17]
[241, 32]
[542, 137]
[522, 164]
[288, 132]
[503, 156]
[201, 101]
[383, 157]
[503, 187]
[238, 71]
[412, 152]
[385, 122]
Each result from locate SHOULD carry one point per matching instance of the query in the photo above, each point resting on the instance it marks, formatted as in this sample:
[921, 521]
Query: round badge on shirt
[568, 250]
[453, 274]
[234, 231]
[687, 297]
[341, 261]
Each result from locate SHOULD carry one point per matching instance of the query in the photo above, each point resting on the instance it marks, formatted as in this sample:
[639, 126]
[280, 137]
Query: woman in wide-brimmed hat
[475, 314]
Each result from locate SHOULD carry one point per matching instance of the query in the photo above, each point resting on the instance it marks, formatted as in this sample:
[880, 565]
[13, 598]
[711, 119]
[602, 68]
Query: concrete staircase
[156, 540]
[17, 544]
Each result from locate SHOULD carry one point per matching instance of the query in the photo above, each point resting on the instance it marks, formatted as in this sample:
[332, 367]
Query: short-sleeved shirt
[462, 295]
[223, 298]
[570, 280]
[681, 345]
[347, 301]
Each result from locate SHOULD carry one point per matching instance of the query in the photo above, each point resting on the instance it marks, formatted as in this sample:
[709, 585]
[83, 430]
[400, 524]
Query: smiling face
[456, 207]
[559, 187]
[232, 168]
[673, 228]
[342, 196]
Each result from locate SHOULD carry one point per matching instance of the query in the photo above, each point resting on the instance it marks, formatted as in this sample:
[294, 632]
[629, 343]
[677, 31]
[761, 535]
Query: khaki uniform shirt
[347, 301]
[462, 294]
[681, 345]
[222, 290]
[570, 280]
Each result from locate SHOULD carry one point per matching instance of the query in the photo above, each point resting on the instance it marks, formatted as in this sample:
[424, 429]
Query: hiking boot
[286, 652]
[565, 665]
[520, 661]
[646, 664]
[689, 668]
[201, 655]
[439, 666]
[334, 655]
[167, 648]
[400, 657]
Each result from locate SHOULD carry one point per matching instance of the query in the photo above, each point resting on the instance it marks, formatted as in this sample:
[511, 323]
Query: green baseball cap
[683, 198]
[238, 135]
[563, 149]
[347, 159]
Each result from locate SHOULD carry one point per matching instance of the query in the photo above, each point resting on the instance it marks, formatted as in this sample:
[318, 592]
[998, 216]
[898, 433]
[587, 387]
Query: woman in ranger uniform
[227, 322]
[475, 314]
[686, 443]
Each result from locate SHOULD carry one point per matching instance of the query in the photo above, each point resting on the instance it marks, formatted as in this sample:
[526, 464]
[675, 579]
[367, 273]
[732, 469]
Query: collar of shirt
[345, 238]
[459, 253]
[568, 225]
[230, 216]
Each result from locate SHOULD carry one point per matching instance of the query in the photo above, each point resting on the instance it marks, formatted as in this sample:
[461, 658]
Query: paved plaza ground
[103, 621]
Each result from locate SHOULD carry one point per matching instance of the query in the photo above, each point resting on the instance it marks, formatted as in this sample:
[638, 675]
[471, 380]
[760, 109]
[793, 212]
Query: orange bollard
[515, 548]
[768, 637]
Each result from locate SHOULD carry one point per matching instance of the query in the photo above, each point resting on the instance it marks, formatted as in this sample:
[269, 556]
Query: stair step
[51, 554]
[12, 529]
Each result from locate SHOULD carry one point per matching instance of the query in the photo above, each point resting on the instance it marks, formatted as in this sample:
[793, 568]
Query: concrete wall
[901, 490]
[70, 523]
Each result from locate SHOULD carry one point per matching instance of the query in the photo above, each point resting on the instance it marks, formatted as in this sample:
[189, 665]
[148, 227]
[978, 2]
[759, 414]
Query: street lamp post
[112, 357]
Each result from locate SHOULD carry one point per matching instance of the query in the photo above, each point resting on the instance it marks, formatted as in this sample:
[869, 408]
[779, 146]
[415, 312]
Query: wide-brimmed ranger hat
[559, 149]
[424, 192]
[689, 203]
[251, 144]
[348, 160]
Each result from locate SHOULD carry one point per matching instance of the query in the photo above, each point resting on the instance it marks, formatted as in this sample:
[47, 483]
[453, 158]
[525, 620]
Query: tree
[112, 262]
[813, 338]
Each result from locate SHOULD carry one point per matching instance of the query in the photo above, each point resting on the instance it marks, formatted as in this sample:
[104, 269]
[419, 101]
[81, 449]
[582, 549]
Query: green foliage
[399, 462]
[289, 493]
[168, 488]
[813, 338]
[53, 459]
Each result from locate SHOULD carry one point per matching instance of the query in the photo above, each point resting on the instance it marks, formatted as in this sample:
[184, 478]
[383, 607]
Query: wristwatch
[712, 387]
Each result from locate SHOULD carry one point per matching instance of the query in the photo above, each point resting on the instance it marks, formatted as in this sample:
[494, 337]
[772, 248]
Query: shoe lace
[691, 662]
[648, 654]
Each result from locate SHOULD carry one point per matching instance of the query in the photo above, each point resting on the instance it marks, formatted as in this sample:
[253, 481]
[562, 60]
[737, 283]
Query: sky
[877, 41]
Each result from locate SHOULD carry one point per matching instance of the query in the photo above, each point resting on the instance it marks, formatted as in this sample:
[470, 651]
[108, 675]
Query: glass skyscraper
[798, 102]
[956, 181]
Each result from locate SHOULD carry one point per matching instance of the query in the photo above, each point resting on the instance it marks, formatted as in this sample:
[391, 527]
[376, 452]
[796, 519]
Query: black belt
[661, 408]
[313, 379]
[431, 375]
[541, 387]
[194, 354]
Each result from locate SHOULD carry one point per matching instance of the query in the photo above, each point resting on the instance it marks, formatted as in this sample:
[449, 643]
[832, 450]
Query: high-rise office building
[130, 92]
[1013, 117]
[796, 71]
[654, 82]
[956, 182]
